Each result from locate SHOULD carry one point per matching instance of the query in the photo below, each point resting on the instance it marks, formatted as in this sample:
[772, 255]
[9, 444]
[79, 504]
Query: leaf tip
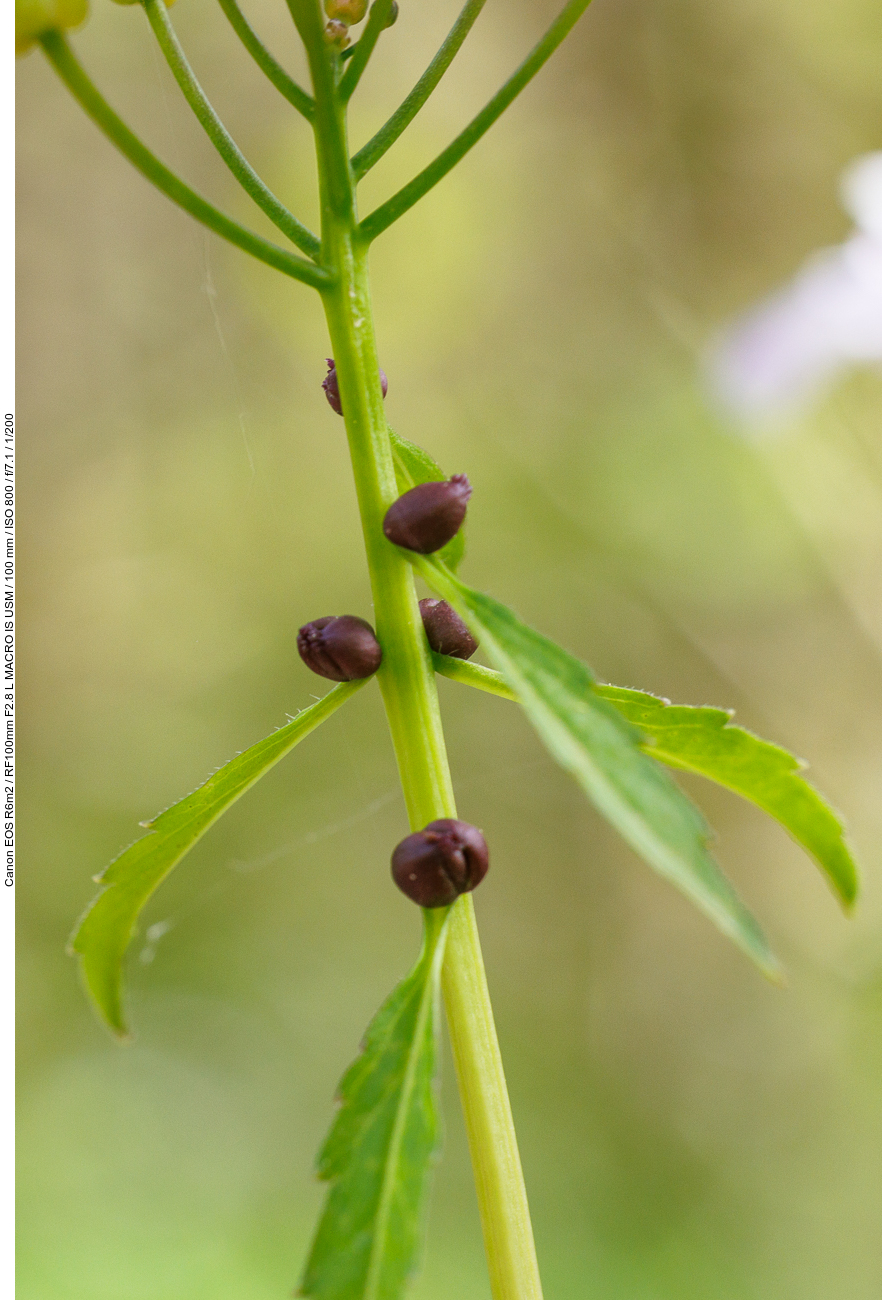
[843, 875]
[106, 1002]
[848, 897]
[111, 1014]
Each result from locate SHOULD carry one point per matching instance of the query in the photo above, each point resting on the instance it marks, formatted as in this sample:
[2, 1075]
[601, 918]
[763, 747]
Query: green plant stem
[382, 217]
[410, 696]
[71, 72]
[157, 15]
[407, 682]
[269, 66]
[365, 47]
[499, 1179]
[389, 132]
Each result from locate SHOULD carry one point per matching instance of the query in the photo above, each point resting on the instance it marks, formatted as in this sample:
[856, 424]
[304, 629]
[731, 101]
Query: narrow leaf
[108, 925]
[589, 737]
[704, 740]
[414, 466]
[379, 1151]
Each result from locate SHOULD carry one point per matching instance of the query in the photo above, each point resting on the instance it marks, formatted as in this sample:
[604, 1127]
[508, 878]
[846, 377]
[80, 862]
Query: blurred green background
[687, 1131]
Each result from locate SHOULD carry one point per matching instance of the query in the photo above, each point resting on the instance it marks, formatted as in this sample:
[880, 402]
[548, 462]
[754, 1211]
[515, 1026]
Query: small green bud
[33, 18]
[348, 12]
[337, 34]
[168, 3]
[392, 17]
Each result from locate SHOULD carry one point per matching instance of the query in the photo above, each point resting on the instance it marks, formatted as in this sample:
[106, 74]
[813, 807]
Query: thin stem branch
[383, 216]
[389, 132]
[485, 679]
[269, 66]
[73, 75]
[365, 48]
[219, 135]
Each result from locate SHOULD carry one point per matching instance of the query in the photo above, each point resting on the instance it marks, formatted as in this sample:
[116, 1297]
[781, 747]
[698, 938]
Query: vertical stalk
[407, 681]
[493, 1144]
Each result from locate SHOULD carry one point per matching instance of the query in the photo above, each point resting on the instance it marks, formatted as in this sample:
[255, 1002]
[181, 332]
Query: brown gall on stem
[437, 864]
[428, 516]
[342, 649]
[332, 387]
[446, 633]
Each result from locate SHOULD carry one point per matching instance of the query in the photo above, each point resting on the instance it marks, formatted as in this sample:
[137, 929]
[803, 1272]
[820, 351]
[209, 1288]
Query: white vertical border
[7, 893]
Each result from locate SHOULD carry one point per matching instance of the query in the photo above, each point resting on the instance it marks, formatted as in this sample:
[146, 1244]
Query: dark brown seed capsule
[445, 630]
[344, 649]
[332, 387]
[434, 866]
[427, 517]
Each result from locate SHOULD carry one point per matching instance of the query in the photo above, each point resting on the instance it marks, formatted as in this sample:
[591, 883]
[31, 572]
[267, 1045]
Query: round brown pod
[343, 649]
[446, 633]
[437, 864]
[428, 516]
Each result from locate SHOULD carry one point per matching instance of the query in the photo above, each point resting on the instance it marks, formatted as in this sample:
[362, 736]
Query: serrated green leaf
[413, 466]
[696, 738]
[588, 736]
[379, 1151]
[106, 928]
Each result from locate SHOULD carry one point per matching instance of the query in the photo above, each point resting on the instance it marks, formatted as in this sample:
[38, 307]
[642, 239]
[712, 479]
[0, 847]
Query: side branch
[271, 69]
[220, 136]
[383, 216]
[484, 679]
[90, 99]
[364, 49]
[389, 132]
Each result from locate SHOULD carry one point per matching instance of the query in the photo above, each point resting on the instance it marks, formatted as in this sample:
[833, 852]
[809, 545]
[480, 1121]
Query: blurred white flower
[772, 360]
